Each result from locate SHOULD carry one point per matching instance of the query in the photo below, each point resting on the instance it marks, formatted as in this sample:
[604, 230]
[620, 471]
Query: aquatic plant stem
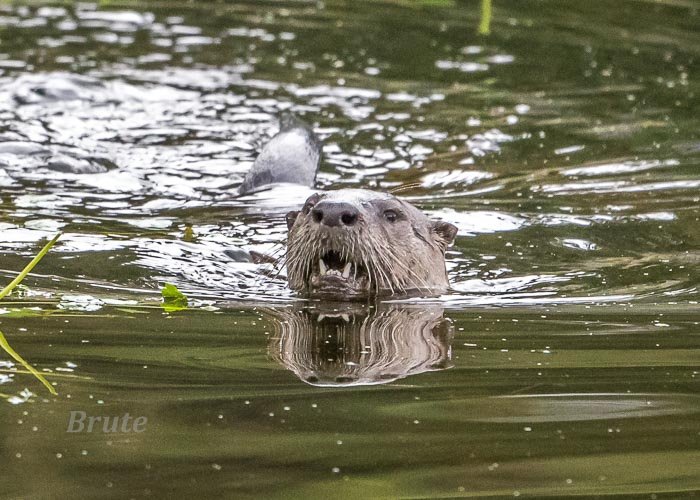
[9, 350]
[5, 291]
[485, 23]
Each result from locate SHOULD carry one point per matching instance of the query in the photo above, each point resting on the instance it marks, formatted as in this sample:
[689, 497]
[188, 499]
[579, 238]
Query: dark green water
[565, 146]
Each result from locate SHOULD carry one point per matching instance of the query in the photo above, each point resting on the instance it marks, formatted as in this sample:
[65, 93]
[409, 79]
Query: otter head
[355, 243]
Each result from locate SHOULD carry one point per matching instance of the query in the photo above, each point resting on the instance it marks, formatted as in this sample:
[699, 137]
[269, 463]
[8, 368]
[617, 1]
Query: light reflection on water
[564, 147]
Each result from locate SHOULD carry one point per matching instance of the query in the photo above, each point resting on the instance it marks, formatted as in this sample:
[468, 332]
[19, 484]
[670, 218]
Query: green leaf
[173, 299]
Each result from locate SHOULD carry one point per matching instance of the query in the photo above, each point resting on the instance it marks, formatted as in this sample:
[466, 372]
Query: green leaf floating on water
[173, 299]
[4, 292]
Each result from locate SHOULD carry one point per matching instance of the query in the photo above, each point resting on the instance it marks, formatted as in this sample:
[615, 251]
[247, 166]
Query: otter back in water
[293, 156]
[356, 243]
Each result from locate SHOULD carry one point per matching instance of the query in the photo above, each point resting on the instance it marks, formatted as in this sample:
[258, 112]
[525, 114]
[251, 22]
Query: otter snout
[335, 213]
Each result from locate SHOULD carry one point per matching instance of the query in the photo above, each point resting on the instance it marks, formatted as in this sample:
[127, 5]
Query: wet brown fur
[399, 257]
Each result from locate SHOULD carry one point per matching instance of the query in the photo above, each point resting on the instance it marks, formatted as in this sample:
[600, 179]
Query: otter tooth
[322, 266]
[346, 271]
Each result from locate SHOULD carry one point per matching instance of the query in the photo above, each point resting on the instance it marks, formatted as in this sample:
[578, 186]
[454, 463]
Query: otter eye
[391, 215]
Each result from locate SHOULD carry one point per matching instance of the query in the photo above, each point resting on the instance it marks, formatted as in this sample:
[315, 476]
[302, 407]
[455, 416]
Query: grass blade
[485, 22]
[9, 350]
[5, 291]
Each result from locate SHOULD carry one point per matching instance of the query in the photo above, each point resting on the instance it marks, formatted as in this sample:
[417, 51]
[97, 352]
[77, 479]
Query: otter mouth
[333, 274]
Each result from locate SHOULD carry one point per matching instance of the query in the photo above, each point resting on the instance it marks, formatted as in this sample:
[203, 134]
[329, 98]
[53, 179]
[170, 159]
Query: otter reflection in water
[355, 345]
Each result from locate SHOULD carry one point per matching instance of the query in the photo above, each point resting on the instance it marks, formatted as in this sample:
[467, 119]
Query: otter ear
[291, 218]
[444, 233]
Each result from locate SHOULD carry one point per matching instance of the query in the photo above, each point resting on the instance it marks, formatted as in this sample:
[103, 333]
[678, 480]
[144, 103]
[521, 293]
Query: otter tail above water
[292, 156]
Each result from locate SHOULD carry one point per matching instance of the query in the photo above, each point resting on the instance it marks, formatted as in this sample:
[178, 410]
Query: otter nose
[335, 214]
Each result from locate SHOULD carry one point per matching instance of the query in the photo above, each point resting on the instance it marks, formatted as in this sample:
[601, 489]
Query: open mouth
[332, 264]
[334, 272]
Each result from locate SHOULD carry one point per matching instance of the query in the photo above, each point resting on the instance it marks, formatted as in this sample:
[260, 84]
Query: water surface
[564, 146]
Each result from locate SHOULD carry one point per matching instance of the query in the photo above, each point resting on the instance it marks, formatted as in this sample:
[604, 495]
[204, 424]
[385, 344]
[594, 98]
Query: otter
[357, 243]
[350, 244]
